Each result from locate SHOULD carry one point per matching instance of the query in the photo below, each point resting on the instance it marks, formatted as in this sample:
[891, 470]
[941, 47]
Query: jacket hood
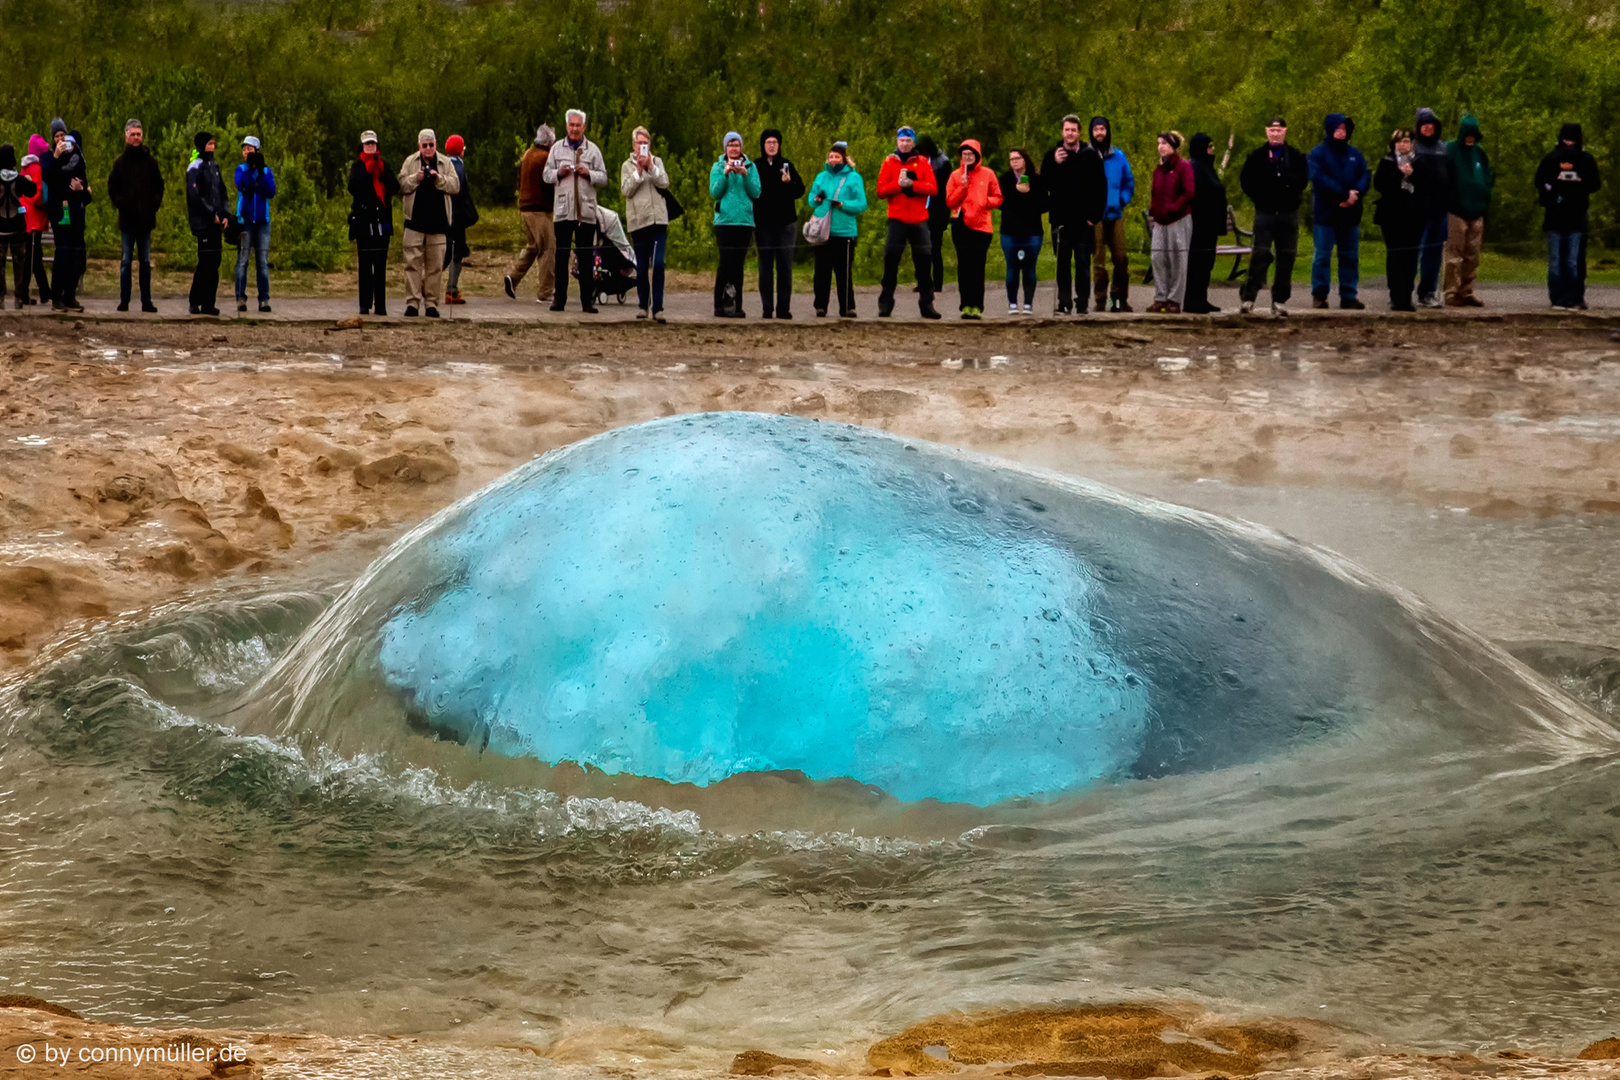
[1108, 140]
[973, 145]
[1426, 115]
[8, 156]
[37, 145]
[1333, 121]
[1572, 132]
[1469, 126]
[771, 133]
[1199, 147]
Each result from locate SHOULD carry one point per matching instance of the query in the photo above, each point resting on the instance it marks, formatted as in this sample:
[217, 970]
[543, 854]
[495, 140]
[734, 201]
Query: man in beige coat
[577, 169]
[426, 183]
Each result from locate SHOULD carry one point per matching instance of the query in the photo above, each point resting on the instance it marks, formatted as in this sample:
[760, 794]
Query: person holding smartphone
[576, 169]
[776, 225]
[643, 181]
[906, 182]
[1023, 202]
[971, 193]
[733, 185]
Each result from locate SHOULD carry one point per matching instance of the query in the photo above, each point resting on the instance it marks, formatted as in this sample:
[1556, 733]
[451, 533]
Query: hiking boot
[925, 310]
[1350, 303]
[1172, 308]
[454, 298]
[1319, 302]
[241, 305]
[885, 307]
[264, 308]
[1101, 306]
[123, 305]
[149, 307]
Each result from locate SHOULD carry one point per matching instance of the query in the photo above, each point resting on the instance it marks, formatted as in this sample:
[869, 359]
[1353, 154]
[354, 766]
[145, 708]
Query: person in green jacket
[733, 185]
[1470, 197]
[839, 192]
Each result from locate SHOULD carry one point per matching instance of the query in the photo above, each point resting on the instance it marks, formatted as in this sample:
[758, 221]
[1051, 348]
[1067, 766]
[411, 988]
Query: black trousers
[894, 248]
[16, 244]
[205, 279]
[836, 259]
[1200, 265]
[36, 255]
[1073, 244]
[1403, 249]
[936, 244]
[373, 257]
[70, 262]
[776, 246]
[972, 247]
[732, 240]
[580, 236]
[1279, 231]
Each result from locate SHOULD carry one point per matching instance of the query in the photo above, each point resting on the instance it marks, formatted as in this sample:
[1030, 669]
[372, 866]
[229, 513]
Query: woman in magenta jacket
[1171, 212]
[971, 193]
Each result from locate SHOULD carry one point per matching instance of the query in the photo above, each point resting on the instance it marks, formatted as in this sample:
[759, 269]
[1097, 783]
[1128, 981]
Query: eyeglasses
[428, 144]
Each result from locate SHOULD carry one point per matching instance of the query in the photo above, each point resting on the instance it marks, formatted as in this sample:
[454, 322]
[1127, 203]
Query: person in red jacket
[1171, 213]
[38, 221]
[905, 181]
[971, 193]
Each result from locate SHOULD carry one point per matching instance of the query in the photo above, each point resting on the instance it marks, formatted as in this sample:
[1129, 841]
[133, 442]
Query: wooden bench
[1244, 237]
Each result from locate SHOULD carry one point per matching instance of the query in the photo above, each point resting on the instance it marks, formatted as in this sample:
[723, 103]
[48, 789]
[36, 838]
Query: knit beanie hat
[906, 133]
[58, 125]
[201, 140]
[8, 156]
[840, 147]
[731, 137]
[454, 145]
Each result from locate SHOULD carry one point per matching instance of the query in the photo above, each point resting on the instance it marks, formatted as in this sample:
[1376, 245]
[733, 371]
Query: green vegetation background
[309, 75]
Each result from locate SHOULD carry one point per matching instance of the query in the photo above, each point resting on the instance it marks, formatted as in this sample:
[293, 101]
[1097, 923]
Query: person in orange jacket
[906, 180]
[971, 193]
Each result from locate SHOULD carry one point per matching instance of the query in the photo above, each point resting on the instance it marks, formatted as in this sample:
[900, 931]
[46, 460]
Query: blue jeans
[1564, 268]
[1430, 251]
[1347, 238]
[1030, 248]
[136, 244]
[255, 238]
[649, 242]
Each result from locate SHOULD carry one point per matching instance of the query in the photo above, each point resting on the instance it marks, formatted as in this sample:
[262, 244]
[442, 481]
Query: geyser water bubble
[703, 596]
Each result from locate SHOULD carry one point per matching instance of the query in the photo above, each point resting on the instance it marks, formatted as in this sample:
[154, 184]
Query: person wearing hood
[1209, 224]
[69, 191]
[135, 188]
[971, 192]
[1400, 214]
[576, 167]
[255, 187]
[838, 194]
[733, 185]
[427, 184]
[939, 215]
[906, 182]
[1023, 202]
[14, 189]
[1274, 177]
[1565, 181]
[643, 180]
[1339, 181]
[776, 225]
[1170, 211]
[372, 187]
[463, 216]
[1109, 242]
[1434, 166]
[205, 213]
[1076, 201]
[1470, 198]
[37, 219]
[536, 201]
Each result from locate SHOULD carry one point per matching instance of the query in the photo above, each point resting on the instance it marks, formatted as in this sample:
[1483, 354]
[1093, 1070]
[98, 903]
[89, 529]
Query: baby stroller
[614, 269]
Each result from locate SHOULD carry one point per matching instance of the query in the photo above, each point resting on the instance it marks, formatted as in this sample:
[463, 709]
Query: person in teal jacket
[839, 192]
[733, 185]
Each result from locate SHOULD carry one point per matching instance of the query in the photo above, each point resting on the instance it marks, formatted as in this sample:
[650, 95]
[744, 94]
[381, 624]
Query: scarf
[374, 168]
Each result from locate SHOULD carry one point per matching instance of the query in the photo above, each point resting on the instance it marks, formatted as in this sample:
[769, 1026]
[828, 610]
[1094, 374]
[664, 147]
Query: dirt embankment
[141, 462]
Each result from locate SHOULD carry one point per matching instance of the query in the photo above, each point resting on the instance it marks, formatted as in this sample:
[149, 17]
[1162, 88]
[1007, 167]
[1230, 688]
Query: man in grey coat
[577, 169]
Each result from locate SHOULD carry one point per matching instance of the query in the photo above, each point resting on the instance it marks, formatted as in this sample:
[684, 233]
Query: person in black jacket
[206, 210]
[1565, 181]
[14, 188]
[1432, 160]
[68, 191]
[1401, 214]
[135, 188]
[1023, 201]
[939, 215]
[372, 187]
[1076, 199]
[1209, 224]
[776, 225]
[1274, 177]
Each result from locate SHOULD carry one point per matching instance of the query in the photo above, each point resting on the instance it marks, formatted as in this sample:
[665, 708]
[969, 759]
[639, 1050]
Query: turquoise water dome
[703, 596]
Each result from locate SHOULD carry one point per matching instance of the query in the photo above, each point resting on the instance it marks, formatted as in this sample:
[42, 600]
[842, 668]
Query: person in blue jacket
[1110, 238]
[255, 187]
[1339, 182]
[733, 185]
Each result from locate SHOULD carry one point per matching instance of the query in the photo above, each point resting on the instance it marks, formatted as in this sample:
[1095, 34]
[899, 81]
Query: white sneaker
[1278, 311]
[1012, 309]
[1029, 309]
[1246, 308]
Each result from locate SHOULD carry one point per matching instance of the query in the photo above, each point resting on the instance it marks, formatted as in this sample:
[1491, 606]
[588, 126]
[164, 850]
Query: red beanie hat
[454, 145]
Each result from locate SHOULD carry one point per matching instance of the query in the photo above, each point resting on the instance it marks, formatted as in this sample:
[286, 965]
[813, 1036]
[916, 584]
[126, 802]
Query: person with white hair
[577, 168]
[536, 200]
[427, 184]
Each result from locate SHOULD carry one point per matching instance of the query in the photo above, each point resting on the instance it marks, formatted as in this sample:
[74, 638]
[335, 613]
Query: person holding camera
[428, 184]
[575, 168]
[905, 182]
[255, 187]
[733, 185]
[1076, 189]
[643, 181]
[971, 193]
[839, 195]
[776, 225]
[205, 213]
[372, 187]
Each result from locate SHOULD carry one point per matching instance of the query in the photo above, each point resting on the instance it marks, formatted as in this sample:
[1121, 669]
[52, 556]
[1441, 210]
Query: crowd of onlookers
[1432, 198]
